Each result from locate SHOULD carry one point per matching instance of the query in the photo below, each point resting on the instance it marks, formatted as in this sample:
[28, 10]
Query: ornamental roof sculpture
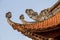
[45, 27]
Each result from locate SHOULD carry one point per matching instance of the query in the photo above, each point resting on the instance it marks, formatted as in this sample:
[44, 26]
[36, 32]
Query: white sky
[18, 7]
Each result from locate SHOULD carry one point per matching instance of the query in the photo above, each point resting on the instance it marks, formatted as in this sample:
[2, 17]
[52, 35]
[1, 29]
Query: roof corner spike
[8, 16]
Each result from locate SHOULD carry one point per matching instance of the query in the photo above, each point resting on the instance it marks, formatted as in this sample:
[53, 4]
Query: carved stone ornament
[45, 27]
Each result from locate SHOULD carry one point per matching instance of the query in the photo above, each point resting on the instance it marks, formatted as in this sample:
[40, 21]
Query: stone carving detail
[45, 27]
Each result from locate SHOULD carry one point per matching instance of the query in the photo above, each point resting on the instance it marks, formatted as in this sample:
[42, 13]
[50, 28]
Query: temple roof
[50, 26]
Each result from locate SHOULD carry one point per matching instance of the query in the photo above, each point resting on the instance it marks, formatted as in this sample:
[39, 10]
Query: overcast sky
[18, 7]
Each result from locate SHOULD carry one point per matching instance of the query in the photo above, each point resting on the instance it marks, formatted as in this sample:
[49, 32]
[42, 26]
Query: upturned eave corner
[48, 29]
[8, 16]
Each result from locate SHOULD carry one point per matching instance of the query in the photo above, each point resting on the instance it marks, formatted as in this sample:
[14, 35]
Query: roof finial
[8, 15]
